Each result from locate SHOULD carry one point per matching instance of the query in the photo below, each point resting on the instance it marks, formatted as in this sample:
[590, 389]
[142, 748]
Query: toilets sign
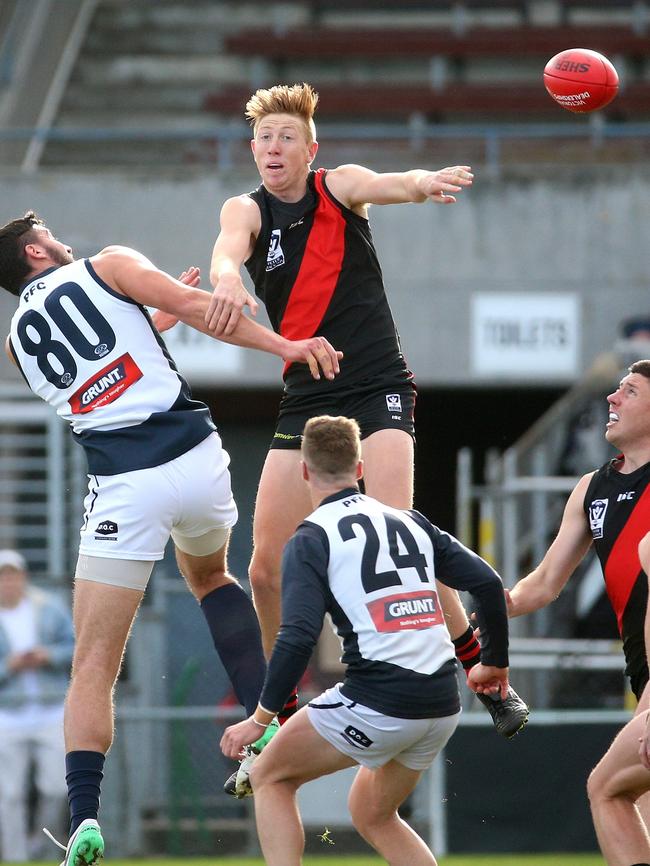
[525, 336]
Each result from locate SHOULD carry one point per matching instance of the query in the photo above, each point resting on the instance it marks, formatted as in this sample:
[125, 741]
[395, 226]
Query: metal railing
[595, 132]
[158, 748]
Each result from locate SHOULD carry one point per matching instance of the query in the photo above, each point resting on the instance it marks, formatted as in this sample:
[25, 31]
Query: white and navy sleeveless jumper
[95, 356]
[373, 568]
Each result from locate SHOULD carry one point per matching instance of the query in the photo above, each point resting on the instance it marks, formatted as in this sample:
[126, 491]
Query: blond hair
[298, 99]
[331, 447]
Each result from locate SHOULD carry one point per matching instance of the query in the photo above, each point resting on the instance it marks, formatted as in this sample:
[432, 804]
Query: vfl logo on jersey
[275, 256]
[106, 386]
[406, 611]
[393, 402]
[597, 510]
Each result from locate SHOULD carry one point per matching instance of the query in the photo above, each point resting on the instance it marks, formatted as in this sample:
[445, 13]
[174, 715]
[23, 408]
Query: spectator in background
[36, 643]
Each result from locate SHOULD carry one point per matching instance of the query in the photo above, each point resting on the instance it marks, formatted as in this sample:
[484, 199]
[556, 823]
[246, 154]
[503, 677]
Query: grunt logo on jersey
[105, 386]
[275, 256]
[597, 510]
[406, 611]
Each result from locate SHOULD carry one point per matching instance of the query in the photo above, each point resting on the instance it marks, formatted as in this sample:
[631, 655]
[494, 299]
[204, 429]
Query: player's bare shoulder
[239, 212]
[115, 253]
[348, 184]
[342, 180]
[117, 265]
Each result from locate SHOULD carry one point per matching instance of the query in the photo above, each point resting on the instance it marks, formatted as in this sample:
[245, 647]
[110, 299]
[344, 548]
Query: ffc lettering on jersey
[597, 511]
[275, 255]
[106, 385]
[406, 611]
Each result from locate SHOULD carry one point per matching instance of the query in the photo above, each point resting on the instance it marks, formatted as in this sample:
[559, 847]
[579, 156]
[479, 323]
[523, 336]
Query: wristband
[260, 724]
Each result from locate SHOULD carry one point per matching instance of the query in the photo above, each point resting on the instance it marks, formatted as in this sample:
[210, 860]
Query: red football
[581, 80]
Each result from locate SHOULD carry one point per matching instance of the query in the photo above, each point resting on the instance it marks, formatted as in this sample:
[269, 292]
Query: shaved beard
[60, 257]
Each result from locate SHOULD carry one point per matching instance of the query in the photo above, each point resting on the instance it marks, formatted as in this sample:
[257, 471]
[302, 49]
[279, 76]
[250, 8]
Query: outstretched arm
[544, 584]
[356, 186]
[132, 274]
[165, 321]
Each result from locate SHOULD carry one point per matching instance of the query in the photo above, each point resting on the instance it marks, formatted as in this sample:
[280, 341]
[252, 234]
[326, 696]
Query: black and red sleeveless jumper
[315, 268]
[617, 506]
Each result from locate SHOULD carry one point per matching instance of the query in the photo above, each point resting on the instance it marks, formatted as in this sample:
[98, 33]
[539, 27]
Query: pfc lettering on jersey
[106, 386]
[406, 611]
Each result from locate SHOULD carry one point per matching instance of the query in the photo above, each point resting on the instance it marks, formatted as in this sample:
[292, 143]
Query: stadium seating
[185, 69]
[476, 42]
[483, 73]
[399, 102]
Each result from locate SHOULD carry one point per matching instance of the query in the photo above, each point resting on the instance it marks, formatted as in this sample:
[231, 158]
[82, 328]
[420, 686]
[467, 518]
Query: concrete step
[146, 154]
[124, 99]
[225, 16]
[145, 117]
[172, 69]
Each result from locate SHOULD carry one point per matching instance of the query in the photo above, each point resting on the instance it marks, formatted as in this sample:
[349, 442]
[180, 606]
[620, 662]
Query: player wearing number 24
[374, 569]
[86, 345]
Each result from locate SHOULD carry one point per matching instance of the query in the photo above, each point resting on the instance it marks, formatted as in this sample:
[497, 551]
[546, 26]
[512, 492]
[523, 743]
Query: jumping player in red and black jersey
[611, 509]
[305, 240]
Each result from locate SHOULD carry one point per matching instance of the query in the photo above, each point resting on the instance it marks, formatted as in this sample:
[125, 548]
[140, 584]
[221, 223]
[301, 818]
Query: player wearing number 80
[85, 343]
[373, 568]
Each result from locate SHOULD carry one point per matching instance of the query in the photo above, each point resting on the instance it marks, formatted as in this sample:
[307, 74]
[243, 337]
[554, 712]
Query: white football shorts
[131, 516]
[372, 739]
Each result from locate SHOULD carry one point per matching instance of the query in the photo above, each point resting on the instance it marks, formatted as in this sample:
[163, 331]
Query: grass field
[333, 860]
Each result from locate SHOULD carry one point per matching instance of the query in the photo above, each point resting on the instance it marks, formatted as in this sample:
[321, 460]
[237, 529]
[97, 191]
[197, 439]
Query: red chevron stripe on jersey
[623, 566]
[319, 270]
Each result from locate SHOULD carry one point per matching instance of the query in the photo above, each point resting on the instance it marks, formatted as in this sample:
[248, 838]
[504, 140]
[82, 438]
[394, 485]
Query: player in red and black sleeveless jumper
[315, 268]
[610, 508]
[617, 506]
[305, 239]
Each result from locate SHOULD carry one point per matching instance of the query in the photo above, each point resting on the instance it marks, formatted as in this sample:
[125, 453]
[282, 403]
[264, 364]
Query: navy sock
[83, 774]
[238, 640]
